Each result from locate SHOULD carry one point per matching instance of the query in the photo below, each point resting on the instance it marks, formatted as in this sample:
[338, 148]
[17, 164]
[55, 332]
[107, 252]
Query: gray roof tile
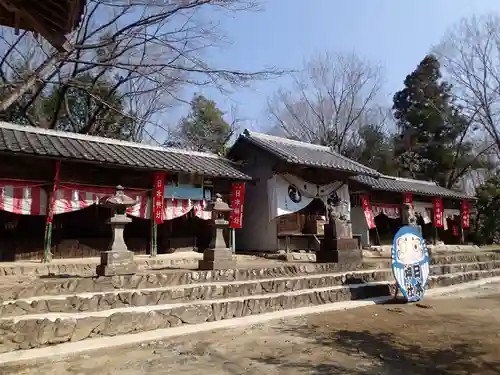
[389, 183]
[28, 140]
[306, 154]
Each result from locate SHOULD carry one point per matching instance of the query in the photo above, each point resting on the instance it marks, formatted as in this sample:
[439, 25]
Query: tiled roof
[306, 154]
[403, 185]
[29, 140]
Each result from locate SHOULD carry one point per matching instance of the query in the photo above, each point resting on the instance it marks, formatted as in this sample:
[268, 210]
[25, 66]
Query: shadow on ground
[384, 353]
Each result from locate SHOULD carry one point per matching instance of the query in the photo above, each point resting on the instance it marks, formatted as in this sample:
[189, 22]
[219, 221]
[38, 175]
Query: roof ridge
[249, 133]
[431, 183]
[305, 144]
[84, 137]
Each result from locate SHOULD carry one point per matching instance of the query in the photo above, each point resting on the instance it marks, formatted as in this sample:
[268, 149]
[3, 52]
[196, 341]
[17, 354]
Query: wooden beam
[59, 41]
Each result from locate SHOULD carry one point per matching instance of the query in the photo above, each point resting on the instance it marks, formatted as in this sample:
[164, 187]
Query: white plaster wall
[257, 234]
[359, 225]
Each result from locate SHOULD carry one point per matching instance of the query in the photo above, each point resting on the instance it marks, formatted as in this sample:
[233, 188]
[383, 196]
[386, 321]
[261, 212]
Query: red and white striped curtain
[23, 197]
[200, 212]
[142, 208]
[392, 212]
[172, 208]
[30, 198]
[70, 198]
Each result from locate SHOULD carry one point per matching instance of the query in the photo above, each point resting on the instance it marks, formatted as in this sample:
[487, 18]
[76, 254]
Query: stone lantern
[218, 255]
[118, 260]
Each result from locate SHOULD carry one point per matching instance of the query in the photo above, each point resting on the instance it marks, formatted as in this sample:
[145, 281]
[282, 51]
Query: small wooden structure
[286, 206]
[386, 195]
[52, 19]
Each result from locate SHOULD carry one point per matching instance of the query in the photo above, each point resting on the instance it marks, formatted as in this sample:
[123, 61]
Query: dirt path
[451, 335]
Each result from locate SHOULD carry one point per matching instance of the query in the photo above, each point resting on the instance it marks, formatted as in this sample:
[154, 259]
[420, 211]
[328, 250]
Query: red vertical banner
[237, 201]
[438, 212]
[158, 198]
[408, 199]
[365, 202]
[454, 230]
[465, 214]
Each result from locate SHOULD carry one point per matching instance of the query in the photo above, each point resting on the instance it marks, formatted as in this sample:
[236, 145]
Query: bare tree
[130, 60]
[470, 56]
[330, 98]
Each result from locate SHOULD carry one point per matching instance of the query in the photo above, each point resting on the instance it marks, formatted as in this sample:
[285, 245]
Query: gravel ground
[457, 334]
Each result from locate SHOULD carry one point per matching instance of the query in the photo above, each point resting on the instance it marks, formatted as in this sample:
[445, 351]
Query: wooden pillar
[153, 250]
[50, 214]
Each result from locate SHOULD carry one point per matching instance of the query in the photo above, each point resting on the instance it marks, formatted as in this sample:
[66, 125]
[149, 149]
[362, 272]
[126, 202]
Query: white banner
[288, 194]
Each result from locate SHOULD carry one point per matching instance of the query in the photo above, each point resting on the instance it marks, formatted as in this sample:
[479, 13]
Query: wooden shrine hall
[51, 183]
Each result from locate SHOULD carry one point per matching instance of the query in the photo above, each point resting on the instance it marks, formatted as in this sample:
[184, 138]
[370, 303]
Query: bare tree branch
[470, 54]
[144, 52]
[329, 100]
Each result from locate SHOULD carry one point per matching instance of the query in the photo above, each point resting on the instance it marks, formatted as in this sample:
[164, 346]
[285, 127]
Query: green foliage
[204, 129]
[374, 150]
[87, 105]
[488, 210]
[430, 125]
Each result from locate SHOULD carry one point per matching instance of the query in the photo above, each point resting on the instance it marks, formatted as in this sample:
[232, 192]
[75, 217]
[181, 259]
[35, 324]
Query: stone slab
[217, 254]
[216, 264]
[116, 270]
[339, 256]
[115, 263]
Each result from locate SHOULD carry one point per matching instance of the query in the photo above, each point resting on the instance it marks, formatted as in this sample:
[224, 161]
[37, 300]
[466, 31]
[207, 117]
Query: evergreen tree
[431, 143]
[89, 105]
[374, 149]
[487, 228]
[204, 129]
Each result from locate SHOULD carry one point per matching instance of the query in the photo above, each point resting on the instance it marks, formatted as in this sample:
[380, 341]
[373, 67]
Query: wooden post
[153, 251]
[378, 236]
[233, 240]
[153, 246]
[461, 227]
[50, 214]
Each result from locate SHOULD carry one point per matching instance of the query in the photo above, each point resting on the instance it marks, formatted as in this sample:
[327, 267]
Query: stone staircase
[58, 310]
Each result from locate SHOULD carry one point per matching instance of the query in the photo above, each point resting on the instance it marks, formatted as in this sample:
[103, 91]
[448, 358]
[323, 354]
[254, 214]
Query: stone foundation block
[217, 259]
[116, 263]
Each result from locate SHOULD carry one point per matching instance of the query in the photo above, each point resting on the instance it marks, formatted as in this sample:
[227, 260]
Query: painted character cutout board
[410, 263]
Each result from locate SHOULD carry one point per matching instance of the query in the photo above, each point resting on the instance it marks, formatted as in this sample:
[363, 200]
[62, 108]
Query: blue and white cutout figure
[410, 263]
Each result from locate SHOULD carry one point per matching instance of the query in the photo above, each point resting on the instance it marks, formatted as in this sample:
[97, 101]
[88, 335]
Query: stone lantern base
[118, 260]
[116, 263]
[217, 259]
[338, 245]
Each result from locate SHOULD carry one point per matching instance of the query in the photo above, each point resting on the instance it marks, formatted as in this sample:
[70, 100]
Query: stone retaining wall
[33, 333]
[76, 285]
[88, 269]
[144, 297]
[181, 277]
[195, 292]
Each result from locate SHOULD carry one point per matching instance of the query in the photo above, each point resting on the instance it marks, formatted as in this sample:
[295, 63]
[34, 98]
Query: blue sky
[395, 34]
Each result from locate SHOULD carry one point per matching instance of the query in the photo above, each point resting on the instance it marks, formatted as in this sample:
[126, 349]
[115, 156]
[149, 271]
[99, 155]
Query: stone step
[119, 298]
[32, 331]
[464, 257]
[156, 279]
